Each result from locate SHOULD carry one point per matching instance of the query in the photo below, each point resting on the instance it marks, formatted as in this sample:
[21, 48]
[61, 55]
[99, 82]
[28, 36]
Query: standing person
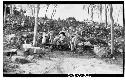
[70, 36]
[44, 37]
[51, 36]
[71, 31]
[74, 41]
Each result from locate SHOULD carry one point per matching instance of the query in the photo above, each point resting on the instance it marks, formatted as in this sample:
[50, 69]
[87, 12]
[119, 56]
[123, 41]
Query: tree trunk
[4, 13]
[112, 29]
[92, 13]
[54, 11]
[36, 25]
[105, 16]
[46, 10]
[32, 12]
[11, 8]
[32, 9]
[100, 13]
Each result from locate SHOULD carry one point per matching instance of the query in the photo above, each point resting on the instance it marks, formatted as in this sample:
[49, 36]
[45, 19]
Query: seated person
[60, 39]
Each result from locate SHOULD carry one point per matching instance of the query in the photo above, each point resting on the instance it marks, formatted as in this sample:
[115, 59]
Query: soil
[62, 62]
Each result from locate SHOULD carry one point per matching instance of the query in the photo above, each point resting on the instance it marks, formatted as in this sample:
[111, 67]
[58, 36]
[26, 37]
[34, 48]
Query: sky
[64, 11]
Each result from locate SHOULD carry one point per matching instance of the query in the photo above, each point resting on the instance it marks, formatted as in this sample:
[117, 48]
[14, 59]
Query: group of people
[70, 37]
[65, 37]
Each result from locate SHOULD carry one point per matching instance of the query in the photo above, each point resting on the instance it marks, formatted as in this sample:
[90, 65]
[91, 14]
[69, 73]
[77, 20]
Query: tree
[4, 12]
[92, 12]
[99, 8]
[47, 8]
[91, 9]
[112, 29]
[36, 23]
[32, 7]
[54, 11]
[11, 8]
[100, 13]
[105, 15]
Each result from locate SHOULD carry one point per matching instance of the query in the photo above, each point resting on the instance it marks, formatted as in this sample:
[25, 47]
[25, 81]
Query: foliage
[17, 24]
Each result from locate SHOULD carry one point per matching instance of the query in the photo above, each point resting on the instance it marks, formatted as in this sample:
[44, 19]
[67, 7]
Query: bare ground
[61, 62]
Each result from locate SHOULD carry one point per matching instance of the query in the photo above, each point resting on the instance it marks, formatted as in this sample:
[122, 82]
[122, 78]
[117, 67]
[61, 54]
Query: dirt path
[65, 63]
[56, 69]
